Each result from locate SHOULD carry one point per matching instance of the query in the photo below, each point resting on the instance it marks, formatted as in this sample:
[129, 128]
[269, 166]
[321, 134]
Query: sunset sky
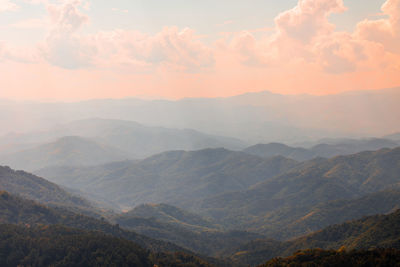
[76, 49]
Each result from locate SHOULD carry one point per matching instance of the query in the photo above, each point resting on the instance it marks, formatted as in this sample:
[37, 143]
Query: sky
[81, 49]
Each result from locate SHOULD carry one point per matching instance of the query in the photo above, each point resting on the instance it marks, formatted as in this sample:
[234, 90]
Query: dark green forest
[61, 246]
[325, 208]
[330, 258]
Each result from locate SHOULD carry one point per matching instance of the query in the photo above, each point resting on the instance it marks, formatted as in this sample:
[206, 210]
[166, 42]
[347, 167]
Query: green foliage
[176, 177]
[61, 246]
[202, 240]
[318, 257]
[16, 210]
[277, 206]
[33, 187]
[379, 231]
[332, 149]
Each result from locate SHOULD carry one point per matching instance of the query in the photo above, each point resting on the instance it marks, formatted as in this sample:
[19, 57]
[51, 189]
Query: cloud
[171, 48]
[7, 5]
[295, 33]
[63, 46]
[384, 31]
[339, 53]
[250, 51]
[303, 36]
[308, 19]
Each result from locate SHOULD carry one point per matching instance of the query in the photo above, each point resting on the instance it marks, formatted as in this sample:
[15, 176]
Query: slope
[183, 228]
[312, 183]
[381, 231]
[176, 177]
[135, 140]
[33, 187]
[327, 150]
[70, 150]
[61, 246]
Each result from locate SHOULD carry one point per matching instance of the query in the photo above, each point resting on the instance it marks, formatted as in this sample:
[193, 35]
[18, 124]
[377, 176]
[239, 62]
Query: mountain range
[301, 188]
[368, 232]
[34, 233]
[253, 117]
[380, 231]
[66, 151]
[33, 187]
[276, 197]
[329, 149]
[173, 177]
[117, 139]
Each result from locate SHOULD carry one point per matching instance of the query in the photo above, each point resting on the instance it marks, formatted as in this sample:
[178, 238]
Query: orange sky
[303, 52]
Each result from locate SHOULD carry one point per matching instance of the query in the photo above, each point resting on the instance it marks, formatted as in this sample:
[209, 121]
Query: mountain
[378, 231]
[351, 146]
[372, 231]
[325, 258]
[277, 149]
[170, 214]
[61, 246]
[33, 187]
[175, 177]
[191, 231]
[275, 197]
[70, 150]
[301, 188]
[259, 117]
[295, 221]
[395, 137]
[133, 139]
[19, 211]
[331, 148]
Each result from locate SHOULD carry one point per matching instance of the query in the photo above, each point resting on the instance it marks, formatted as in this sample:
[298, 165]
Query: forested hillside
[329, 149]
[271, 206]
[33, 187]
[378, 231]
[66, 151]
[325, 258]
[176, 177]
[60, 246]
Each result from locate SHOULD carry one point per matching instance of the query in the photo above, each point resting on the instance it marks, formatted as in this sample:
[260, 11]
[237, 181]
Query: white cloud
[7, 5]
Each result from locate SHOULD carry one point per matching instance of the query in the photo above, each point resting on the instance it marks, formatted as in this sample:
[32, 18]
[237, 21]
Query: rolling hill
[135, 140]
[276, 197]
[70, 151]
[257, 117]
[378, 231]
[295, 221]
[174, 177]
[62, 246]
[277, 149]
[19, 211]
[33, 187]
[326, 150]
[394, 137]
[314, 182]
[191, 231]
[325, 258]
